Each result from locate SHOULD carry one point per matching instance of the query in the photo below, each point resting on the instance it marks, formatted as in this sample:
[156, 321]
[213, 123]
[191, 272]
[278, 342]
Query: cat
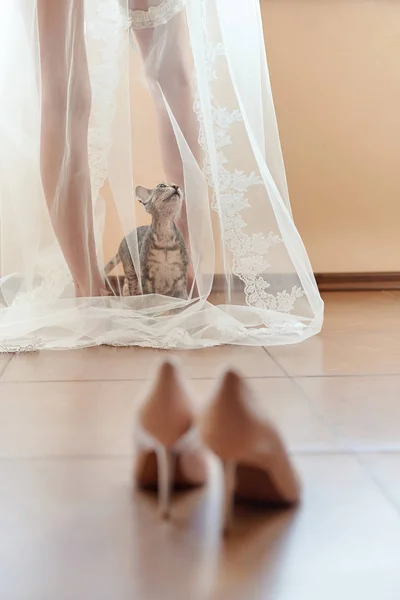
[163, 255]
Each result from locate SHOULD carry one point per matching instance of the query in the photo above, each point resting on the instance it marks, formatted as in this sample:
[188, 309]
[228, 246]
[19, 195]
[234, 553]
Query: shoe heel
[166, 473]
[229, 469]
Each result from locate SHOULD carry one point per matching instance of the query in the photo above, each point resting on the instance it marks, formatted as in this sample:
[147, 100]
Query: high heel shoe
[167, 456]
[257, 468]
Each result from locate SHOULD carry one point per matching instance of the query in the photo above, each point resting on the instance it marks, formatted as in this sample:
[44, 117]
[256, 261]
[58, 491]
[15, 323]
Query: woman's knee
[169, 75]
[62, 96]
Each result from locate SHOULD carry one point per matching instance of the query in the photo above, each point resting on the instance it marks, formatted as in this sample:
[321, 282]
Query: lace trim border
[156, 15]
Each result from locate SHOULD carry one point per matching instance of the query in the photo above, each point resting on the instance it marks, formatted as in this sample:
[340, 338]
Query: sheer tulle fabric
[179, 91]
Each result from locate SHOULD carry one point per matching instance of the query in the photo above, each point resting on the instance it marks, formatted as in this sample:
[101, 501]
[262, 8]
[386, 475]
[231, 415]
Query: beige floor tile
[68, 525]
[105, 363]
[281, 401]
[91, 364]
[361, 311]
[326, 549]
[4, 360]
[73, 530]
[67, 419]
[250, 361]
[364, 412]
[385, 469]
[341, 354]
[97, 418]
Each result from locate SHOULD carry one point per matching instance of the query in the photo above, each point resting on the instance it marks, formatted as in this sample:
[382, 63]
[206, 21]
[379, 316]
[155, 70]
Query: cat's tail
[112, 264]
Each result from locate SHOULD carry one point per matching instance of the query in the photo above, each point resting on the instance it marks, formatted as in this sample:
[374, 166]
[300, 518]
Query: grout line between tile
[383, 490]
[323, 375]
[345, 375]
[354, 451]
[352, 332]
[319, 414]
[128, 456]
[111, 457]
[276, 362]
[66, 457]
[360, 332]
[4, 369]
[306, 398]
[141, 380]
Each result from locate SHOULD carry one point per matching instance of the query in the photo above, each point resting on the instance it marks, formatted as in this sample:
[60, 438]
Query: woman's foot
[93, 290]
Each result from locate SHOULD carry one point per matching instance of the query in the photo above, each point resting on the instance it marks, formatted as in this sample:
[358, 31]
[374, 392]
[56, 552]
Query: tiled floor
[72, 528]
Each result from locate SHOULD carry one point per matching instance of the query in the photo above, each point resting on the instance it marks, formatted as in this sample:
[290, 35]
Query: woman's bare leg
[66, 103]
[173, 72]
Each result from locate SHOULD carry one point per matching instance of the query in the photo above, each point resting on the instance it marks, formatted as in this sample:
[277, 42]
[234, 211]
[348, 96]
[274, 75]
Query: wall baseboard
[335, 282]
[358, 282]
[327, 282]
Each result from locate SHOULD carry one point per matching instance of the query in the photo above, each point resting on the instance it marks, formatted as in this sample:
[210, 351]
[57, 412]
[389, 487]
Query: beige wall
[335, 70]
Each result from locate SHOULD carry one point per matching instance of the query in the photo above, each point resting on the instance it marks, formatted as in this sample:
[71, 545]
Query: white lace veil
[253, 281]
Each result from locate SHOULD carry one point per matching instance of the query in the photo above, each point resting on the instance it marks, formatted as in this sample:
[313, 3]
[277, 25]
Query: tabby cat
[163, 253]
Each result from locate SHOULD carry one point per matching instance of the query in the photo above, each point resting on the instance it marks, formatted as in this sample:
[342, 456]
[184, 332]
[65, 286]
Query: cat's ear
[143, 194]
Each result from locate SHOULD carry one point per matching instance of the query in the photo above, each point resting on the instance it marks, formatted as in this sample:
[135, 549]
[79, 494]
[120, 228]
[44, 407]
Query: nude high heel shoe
[257, 468]
[167, 456]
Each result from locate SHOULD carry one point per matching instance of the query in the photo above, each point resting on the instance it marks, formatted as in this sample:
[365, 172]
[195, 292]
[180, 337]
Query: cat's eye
[161, 185]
